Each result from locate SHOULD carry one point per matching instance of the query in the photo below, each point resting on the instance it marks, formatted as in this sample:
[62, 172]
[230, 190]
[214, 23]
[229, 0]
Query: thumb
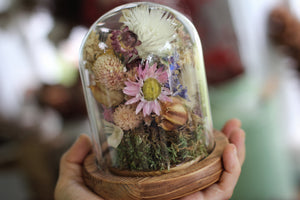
[76, 154]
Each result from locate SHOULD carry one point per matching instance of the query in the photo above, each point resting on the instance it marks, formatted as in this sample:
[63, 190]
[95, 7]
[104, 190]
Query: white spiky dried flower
[155, 28]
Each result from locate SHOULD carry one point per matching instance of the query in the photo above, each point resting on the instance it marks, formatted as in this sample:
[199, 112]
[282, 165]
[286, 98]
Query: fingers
[230, 125]
[70, 183]
[237, 137]
[79, 150]
[72, 160]
[232, 169]
[231, 161]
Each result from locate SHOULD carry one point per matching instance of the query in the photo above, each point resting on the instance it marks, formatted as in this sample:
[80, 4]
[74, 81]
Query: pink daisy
[148, 89]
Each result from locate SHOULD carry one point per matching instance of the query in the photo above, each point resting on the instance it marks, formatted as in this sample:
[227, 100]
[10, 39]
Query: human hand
[70, 184]
[233, 159]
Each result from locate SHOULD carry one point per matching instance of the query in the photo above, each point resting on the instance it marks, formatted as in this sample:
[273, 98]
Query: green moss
[152, 148]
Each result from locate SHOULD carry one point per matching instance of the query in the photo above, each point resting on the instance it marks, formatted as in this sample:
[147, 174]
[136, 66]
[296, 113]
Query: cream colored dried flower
[109, 71]
[126, 118]
[188, 74]
[155, 28]
[91, 48]
[186, 57]
[108, 98]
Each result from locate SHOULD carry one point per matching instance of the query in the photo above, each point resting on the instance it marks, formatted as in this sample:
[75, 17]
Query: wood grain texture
[166, 186]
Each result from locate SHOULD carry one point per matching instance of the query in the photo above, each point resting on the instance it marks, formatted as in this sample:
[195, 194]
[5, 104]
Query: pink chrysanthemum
[109, 71]
[148, 89]
[126, 118]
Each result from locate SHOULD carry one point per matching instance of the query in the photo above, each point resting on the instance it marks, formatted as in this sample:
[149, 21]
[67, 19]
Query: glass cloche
[145, 88]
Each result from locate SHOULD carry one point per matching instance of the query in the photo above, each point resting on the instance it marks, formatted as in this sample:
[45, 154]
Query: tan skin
[70, 185]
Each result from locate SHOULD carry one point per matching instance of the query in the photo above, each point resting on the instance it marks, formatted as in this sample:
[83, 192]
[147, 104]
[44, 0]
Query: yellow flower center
[151, 89]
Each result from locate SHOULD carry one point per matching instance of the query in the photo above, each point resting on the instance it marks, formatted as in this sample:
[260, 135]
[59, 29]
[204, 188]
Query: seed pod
[107, 97]
[173, 114]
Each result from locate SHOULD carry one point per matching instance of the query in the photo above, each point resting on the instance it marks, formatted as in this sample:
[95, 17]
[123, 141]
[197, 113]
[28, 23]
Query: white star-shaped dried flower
[155, 28]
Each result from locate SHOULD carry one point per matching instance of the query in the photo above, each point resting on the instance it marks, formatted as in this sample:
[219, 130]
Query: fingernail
[79, 137]
[239, 122]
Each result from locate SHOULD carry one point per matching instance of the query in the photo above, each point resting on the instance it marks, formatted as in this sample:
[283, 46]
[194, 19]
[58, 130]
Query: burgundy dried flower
[108, 114]
[124, 41]
[134, 63]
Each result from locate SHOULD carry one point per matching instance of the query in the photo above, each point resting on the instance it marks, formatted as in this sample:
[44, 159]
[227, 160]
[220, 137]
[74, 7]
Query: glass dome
[143, 75]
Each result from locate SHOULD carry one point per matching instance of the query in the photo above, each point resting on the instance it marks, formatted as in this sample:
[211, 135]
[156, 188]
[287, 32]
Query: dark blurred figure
[284, 30]
[67, 101]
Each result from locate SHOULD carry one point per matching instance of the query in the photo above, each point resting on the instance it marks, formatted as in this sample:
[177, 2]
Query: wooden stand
[166, 186]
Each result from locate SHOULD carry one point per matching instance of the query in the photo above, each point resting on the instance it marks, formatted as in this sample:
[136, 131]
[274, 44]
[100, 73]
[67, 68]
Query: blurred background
[252, 58]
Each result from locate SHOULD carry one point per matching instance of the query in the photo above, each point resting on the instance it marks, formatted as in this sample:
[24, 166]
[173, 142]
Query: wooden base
[166, 186]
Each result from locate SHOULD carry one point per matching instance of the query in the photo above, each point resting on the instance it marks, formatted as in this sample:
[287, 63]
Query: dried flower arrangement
[143, 78]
